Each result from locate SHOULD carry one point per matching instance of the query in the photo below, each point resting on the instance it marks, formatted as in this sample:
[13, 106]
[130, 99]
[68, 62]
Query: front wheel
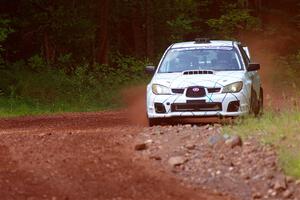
[154, 122]
[254, 105]
[257, 103]
[261, 101]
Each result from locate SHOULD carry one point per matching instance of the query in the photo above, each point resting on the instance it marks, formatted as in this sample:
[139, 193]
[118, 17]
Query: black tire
[255, 104]
[154, 122]
[261, 102]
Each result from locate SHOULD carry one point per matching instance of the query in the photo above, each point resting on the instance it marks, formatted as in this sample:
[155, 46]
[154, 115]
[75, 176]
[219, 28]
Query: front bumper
[212, 105]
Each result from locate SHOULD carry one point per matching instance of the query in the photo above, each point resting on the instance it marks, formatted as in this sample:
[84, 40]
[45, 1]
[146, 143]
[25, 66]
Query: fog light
[233, 106]
[159, 108]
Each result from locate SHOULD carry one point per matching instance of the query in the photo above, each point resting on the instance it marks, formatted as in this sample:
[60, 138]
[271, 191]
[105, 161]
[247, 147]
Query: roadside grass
[13, 107]
[63, 96]
[94, 99]
[279, 129]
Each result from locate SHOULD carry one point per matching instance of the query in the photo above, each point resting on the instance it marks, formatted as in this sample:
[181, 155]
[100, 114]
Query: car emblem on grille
[196, 89]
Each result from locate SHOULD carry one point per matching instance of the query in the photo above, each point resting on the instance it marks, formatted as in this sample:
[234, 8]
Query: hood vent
[194, 72]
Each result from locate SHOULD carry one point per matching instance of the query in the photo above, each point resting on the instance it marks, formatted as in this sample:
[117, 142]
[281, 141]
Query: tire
[261, 102]
[255, 104]
[154, 122]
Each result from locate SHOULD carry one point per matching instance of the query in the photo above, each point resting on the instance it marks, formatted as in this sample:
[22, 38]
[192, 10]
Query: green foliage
[126, 68]
[233, 19]
[37, 63]
[5, 30]
[44, 88]
[179, 27]
[182, 22]
[68, 26]
[65, 58]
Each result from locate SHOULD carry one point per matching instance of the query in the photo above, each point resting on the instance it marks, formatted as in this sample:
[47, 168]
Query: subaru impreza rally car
[204, 78]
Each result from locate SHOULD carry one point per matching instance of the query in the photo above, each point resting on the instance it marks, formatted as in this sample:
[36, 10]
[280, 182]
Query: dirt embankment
[81, 156]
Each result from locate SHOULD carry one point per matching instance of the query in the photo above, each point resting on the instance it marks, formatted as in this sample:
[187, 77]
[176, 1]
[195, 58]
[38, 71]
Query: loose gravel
[201, 156]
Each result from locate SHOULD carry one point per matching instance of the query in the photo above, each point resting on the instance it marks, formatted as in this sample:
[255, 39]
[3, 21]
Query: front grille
[178, 91]
[213, 90]
[209, 90]
[195, 101]
[195, 92]
[190, 107]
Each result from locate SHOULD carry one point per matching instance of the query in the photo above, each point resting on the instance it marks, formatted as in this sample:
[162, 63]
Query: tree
[102, 32]
[92, 30]
[58, 27]
[183, 15]
[5, 30]
[150, 34]
[233, 20]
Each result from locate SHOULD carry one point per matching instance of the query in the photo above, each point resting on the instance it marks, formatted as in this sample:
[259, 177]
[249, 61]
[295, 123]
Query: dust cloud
[266, 49]
[135, 99]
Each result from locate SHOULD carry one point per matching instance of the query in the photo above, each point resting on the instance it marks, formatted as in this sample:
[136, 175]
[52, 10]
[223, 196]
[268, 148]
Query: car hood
[179, 80]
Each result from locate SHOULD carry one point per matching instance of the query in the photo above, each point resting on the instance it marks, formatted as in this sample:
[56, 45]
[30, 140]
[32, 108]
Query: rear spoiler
[246, 49]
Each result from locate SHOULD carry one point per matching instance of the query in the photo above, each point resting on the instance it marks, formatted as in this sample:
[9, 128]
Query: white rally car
[204, 78]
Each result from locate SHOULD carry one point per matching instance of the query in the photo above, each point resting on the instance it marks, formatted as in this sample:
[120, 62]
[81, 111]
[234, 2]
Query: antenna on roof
[202, 40]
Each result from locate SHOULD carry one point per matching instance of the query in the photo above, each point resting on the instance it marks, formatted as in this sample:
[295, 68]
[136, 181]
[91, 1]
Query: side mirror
[150, 69]
[253, 67]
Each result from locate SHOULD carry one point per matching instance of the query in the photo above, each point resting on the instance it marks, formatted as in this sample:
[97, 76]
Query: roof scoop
[195, 72]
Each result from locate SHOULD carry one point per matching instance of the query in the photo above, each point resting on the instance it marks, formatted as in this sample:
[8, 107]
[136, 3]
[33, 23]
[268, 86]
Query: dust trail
[266, 48]
[135, 99]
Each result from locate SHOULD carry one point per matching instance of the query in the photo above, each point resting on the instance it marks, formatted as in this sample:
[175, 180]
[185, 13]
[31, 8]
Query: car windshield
[217, 59]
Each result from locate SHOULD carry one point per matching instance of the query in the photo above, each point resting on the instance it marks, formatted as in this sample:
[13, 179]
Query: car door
[253, 76]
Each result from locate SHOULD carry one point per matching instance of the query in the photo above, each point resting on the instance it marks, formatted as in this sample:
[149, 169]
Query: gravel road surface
[83, 156]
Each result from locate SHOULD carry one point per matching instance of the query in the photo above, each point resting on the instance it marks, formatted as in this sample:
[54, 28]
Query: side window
[244, 55]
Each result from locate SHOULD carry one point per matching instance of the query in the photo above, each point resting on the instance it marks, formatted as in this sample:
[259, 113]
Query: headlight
[160, 89]
[233, 88]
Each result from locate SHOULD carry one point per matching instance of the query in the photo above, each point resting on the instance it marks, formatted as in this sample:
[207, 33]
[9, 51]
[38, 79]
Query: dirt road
[81, 156]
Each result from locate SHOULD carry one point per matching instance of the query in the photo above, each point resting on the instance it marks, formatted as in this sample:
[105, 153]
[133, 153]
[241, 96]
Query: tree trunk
[149, 30]
[244, 3]
[48, 49]
[138, 32]
[102, 33]
[258, 4]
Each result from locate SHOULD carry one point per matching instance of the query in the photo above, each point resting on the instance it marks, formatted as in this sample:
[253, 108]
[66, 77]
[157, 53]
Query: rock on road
[81, 156]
